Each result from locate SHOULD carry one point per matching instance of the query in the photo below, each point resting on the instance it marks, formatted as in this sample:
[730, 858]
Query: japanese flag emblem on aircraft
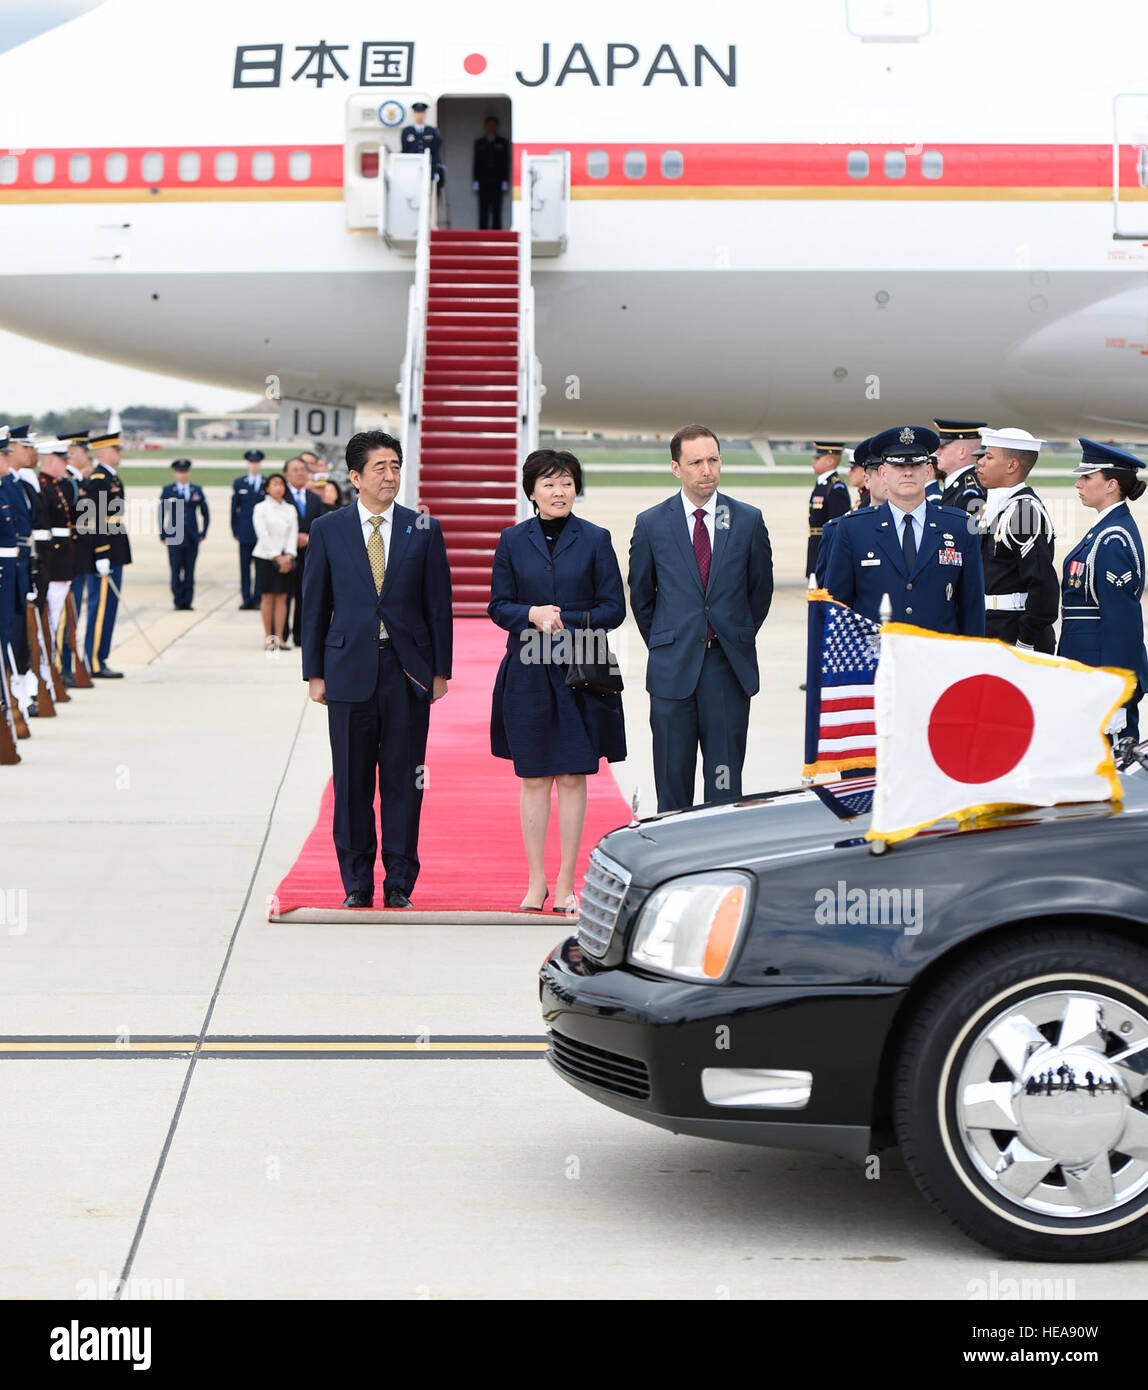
[967, 725]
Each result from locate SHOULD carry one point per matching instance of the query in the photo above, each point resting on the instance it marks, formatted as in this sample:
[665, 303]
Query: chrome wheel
[1048, 1103]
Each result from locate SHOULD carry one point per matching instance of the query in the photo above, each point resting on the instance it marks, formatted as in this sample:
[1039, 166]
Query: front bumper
[640, 1044]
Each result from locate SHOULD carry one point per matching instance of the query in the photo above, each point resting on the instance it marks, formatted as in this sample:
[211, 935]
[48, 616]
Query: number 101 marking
[315, 424]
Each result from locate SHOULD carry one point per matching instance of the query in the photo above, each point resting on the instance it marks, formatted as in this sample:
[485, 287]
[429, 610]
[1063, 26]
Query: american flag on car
[840, 732]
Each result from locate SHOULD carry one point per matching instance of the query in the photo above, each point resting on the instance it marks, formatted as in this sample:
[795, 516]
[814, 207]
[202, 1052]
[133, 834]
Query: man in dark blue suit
[183, 522]
[926, 558]
[309, 506]
[377, 640]
[246, 494]
[701, 582]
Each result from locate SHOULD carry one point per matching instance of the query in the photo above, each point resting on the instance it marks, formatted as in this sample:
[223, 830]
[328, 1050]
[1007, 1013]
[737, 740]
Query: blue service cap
[180, 465]
[862, 454]
[904, 444]
[20, 433]
[418, 106]
[254, 456]
[1096, 456]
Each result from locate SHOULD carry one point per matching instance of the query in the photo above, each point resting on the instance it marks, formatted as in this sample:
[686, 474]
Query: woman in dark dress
[549, 573]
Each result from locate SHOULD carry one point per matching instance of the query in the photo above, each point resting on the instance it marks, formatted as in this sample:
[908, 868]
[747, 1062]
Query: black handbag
[593, 666]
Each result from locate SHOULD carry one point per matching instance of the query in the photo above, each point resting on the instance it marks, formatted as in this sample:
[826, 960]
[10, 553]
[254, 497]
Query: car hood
[785, 826]
[769, 825]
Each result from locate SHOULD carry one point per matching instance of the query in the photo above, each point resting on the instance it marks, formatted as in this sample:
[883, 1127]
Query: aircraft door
[461, 121]
[1130, 167]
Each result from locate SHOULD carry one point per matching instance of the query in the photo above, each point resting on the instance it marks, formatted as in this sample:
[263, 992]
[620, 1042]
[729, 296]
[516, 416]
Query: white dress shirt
[710, 509]
[1101, 515]
[276, 529]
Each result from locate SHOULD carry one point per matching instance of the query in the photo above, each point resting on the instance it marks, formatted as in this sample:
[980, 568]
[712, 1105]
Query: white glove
[29, 598]
[103, 567]
[1116, 724]
[1025, 647]
[474, 186]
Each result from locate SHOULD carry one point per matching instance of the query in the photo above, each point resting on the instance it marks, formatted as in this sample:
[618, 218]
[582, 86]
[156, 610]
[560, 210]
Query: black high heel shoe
[570, 909]
[529, 907]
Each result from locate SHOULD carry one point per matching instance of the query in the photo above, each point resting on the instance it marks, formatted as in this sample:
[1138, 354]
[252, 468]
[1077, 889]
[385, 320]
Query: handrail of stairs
[414, 359]
[528, 367]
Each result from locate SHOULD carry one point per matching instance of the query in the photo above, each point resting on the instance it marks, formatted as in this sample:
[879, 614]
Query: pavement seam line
[174, 1123]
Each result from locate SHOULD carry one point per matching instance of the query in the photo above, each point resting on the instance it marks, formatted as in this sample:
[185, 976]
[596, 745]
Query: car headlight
[690, 926]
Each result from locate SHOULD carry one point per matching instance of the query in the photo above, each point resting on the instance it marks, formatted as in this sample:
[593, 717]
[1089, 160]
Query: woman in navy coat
[1104, 577]
[549, 572]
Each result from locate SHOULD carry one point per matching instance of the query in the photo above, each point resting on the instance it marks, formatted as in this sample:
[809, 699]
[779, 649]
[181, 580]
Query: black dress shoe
[68, 679]
[359, 900]
[107, 674]
[33, 710]
[395, 897]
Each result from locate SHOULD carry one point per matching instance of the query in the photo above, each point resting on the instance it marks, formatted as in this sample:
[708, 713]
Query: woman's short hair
[550, 463]
[1131, 487]
[270, 478]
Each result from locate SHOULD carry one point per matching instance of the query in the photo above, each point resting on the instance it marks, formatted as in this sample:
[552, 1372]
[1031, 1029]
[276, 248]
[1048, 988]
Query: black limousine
[977, 996]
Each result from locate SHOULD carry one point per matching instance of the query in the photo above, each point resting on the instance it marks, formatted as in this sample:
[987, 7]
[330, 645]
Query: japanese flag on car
[967, 725]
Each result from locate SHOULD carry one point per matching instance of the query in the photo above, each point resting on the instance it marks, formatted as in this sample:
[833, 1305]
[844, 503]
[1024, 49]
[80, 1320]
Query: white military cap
[1019, 440]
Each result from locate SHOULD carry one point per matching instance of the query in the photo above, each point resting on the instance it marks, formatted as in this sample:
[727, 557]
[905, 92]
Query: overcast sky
[35, 377]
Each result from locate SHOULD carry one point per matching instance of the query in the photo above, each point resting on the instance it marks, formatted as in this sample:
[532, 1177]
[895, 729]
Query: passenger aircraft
[785, 219]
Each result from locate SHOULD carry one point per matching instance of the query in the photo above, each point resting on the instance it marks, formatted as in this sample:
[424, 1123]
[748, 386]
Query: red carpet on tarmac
[470, 839]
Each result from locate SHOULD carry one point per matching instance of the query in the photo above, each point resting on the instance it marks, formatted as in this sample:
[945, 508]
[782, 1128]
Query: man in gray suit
[701, 582]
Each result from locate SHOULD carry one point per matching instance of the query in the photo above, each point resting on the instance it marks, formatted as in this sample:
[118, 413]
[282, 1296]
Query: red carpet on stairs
[470, 842]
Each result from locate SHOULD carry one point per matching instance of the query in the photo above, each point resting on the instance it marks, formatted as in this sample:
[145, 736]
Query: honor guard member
[1022, 590]
[183, 521]
[858, 480]
[246, 494]
[27, 460]
[104, 489]
[1103, 577]
[79, 468]
[875, 490]
[17, 501]
[829, 498]
[418, 136]
[491, 174]
[9, 555]
[59, 503]
[924, 557]
[934, 492]
[956, 464]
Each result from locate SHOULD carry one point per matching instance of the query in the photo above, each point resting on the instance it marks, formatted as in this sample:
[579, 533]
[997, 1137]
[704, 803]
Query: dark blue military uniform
[828, 500]
[943, 589]
[183, 523]
[829, 530]
[103, 502]
[246, 494]
[1103, 581]
[964, 490]
[417, 138]
[9, 554]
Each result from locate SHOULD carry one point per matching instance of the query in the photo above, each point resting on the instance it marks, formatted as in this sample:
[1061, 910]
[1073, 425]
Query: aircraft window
[895, 164]
[262, 165]
[151, 167]
[597, 164]
[115, 167]
[299, 165]
[9, 168]
[79, 168]
[672, 164]
[369, 164]
[226, 166]
[188, 166]
[44, 168]
[634, 164]
[932, 164]
[857, 164]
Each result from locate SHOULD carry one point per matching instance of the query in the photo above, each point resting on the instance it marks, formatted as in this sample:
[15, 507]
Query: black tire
[945, 1096]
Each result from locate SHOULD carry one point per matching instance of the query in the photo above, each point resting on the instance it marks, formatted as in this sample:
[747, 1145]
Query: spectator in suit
[549, 573]
[183, 521]
[309, 508]
[377, 641]
[276, 524]
[491, 174]
[246, 494]
[701, 582]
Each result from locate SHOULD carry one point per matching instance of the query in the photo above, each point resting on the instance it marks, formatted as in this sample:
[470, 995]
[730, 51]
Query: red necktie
[702, 555]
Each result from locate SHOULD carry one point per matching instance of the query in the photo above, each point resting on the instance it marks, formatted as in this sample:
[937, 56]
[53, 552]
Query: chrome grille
[597, 1067]
[602, 894]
